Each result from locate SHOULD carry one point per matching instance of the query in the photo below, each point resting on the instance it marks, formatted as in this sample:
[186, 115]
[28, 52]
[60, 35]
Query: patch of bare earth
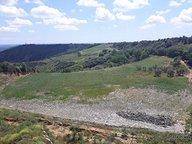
[11, 121]
[89, 131]
[189, 76]
[7, 79]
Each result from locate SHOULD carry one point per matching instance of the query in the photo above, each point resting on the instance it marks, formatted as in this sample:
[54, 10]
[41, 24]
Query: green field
[93, 84]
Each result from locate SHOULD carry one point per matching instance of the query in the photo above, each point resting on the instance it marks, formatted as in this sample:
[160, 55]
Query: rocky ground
[148, 108]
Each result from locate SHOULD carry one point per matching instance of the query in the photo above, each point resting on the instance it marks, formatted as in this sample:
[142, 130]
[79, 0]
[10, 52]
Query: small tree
[79, 54]
[182, 70]
[176, 62]
[18, 71]
[170, 72]
[144, 69]
[139, 68]
[24, 69]
[158, 72]
[1, 69]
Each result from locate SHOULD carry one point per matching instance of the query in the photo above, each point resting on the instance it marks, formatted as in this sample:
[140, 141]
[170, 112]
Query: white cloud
[124, 17]
[177, 3]
[125, 5]
[57, 19]
[45, 12]
[64, 23]
[31, 31]
[12, 11]
[185, 17]
[8, 29]
[15, 25]
[38, 2]
[65, 27]
[147, 26]
[174, 3]
[162, 12]
[153, 20]
[103, 14]
[9, 2]
[89, 3]
[18, 22]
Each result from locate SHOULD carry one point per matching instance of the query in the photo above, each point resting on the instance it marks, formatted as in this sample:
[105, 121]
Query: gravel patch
[141, 108]
[83, 112]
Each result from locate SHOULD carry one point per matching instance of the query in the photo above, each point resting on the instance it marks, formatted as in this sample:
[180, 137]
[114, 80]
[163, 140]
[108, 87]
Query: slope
[32, 52]
[93, 84]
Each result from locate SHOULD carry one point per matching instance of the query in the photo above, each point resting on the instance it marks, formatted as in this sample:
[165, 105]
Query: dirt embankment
[8, 79]
[189, 76]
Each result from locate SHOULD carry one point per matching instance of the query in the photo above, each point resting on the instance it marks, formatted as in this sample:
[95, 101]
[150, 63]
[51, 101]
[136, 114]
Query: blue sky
[85, 21]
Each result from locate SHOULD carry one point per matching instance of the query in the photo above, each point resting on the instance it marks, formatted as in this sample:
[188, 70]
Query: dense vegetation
[79, 57]
[32, 52]
[17, 68]
[171, 47]
[17, 127]
[174, 68]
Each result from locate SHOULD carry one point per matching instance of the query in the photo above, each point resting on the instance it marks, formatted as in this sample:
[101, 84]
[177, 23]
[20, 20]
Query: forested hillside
[171, 47]
[32, 52]
[4, 47]
[79, 57]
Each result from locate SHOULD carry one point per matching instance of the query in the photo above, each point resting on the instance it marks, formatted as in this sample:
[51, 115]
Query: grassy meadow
[93, 84]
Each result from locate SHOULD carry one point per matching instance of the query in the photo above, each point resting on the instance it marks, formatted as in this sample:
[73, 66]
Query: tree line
[171, 47]
[119, 54]
[175, 68]
[16, 69]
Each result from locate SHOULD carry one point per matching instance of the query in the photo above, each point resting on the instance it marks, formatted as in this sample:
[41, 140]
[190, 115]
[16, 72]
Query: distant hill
[4, 47]
[79, 57]
[32, 52]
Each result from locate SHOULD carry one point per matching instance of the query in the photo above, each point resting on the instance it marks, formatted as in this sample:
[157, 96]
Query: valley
[120, 92]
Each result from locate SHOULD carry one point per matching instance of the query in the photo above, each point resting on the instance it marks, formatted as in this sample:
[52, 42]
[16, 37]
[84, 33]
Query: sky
[93, 21]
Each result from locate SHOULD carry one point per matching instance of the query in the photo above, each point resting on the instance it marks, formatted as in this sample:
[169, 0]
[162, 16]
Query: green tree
[158, 72]
[170, 72]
